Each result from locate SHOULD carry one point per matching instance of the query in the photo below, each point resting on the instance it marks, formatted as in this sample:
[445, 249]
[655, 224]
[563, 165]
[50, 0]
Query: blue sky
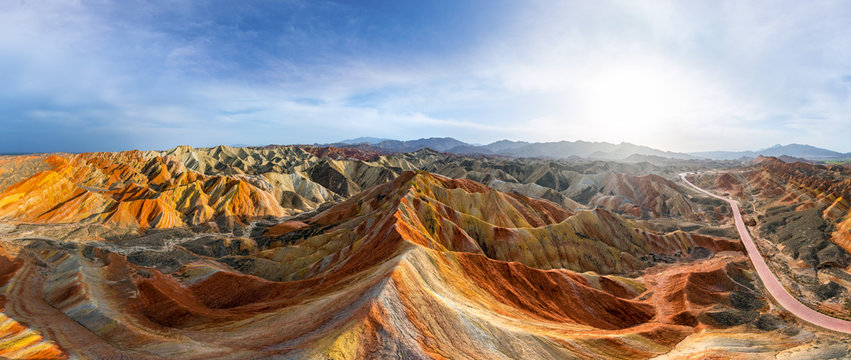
[676, 75]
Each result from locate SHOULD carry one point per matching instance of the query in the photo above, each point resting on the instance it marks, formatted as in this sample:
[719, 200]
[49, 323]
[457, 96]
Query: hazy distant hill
[470, 150]
[590, 150]
[808, 152]
[504, 145]
[439, 144]
[585, 149]
[552, 150]
[363, 140]
[784, 158]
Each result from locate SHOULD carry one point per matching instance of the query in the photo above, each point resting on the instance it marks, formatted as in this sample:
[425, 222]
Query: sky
[681, 76]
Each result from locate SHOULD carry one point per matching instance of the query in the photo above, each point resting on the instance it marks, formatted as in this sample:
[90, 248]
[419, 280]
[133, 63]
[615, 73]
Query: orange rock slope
[420, 267]
[134, 190]
[14, 168]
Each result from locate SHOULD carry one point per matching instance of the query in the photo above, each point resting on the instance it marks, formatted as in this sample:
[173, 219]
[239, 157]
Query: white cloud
[684, 76]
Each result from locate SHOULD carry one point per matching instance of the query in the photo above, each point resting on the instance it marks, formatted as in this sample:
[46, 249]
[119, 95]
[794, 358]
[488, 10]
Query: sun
[627, 100]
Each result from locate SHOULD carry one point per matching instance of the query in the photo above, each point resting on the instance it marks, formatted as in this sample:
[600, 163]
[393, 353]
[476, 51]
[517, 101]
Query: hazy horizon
[676, 76]
[403, 140]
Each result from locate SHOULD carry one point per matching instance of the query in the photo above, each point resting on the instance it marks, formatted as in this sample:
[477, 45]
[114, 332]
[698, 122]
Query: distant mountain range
[553, 150]
[586, 150]
[364, 140]
[808, 152]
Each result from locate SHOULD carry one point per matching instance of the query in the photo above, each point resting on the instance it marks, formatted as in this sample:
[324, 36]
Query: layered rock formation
[18, 340]
[463, 216]
[15, 168]
[132, 190]
[802, 210]
[637, 190]
[224, 186]
[298, 252]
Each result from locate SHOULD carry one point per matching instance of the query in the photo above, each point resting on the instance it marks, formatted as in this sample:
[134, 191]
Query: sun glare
[635, 99]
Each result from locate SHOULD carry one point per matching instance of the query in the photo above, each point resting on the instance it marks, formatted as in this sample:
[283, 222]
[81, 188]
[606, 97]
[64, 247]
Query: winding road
[774, 287]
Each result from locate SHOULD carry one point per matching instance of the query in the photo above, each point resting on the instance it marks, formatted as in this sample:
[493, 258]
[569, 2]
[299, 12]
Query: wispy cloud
[684, 76]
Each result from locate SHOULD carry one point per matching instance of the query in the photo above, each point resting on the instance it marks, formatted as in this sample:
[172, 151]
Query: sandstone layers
[802, 210]
[290, 252]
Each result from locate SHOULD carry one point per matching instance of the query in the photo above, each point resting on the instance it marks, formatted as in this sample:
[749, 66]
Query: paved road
[774, 287]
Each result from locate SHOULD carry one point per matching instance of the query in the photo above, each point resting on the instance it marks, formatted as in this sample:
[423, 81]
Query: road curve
[774, 287]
